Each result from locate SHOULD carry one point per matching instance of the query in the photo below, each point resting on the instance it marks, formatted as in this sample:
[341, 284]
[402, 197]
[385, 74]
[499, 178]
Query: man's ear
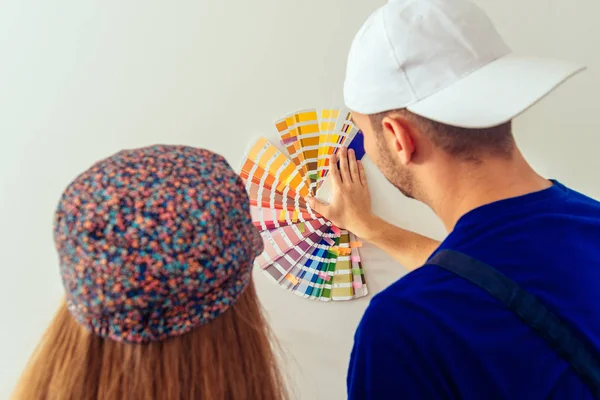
[400, 133]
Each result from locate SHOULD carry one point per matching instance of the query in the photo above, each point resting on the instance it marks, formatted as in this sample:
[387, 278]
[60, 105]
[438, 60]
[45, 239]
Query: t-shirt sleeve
[385, 362]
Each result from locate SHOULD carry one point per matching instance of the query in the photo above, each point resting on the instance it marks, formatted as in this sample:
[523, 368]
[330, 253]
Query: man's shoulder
[397, 343]
[419, 318]
[407, 302]
[418, 286]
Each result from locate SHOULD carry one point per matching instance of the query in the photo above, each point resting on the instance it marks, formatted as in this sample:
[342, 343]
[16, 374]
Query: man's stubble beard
[395, 173]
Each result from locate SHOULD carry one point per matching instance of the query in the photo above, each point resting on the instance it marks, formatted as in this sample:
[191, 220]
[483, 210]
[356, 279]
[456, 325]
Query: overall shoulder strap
[528, 308]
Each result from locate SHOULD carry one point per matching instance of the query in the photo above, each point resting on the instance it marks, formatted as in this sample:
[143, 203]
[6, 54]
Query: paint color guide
[303, 252]
[342, 133]
[279, 241]
[358, 275]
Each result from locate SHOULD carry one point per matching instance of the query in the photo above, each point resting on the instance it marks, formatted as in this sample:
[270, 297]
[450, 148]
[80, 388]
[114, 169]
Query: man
[434, 88]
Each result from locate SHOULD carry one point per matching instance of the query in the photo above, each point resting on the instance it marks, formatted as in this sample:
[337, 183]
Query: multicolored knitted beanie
[154, 242]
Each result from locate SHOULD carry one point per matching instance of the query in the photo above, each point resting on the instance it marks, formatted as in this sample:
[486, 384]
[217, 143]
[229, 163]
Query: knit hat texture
[154, 242]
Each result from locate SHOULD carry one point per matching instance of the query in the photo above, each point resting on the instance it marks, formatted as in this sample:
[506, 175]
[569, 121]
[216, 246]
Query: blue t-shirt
[434, 335]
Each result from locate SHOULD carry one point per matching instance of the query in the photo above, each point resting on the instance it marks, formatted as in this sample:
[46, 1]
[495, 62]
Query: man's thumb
[317, 205]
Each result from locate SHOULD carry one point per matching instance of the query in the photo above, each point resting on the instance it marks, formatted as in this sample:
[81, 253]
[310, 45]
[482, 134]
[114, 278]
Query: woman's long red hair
[229, 358]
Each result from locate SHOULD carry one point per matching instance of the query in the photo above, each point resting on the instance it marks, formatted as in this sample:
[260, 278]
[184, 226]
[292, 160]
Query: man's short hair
[467, 144]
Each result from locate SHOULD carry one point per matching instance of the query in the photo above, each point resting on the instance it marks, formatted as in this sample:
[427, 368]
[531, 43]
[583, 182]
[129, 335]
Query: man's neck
[479, 184]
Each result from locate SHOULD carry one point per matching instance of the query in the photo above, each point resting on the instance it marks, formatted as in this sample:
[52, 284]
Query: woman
[156, 248]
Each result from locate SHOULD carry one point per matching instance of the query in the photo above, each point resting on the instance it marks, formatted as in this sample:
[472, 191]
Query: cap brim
[496, 93]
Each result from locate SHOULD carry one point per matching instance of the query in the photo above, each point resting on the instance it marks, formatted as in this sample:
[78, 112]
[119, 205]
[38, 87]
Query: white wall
[80, 80]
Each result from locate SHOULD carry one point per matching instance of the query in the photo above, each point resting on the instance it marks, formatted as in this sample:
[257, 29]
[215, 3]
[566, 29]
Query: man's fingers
[344, 170]
[353, 166]
[318, 206]
[334, 172]
[362, 174]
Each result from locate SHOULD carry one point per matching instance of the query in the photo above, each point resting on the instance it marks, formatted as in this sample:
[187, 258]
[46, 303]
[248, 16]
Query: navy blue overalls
[529, 309]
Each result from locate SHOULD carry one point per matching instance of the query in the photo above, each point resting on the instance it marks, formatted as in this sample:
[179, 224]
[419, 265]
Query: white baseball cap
[445, 61]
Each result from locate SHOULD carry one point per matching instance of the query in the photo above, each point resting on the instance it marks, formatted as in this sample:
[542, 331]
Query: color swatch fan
[304, 253]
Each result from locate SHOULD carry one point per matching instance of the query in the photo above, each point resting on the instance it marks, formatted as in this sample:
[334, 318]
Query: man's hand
[350, 206]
